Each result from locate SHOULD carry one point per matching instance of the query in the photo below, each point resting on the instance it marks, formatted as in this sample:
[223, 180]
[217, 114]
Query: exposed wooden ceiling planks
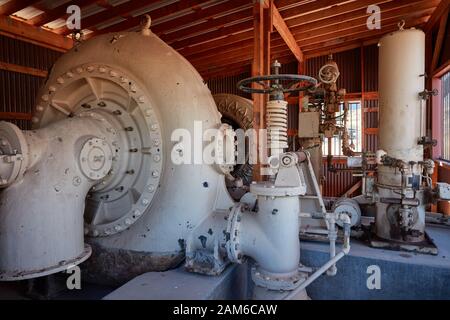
[121, 10]
[327, 33]
[218, 34]
[56, 13]
[13, 6]
[155, 14]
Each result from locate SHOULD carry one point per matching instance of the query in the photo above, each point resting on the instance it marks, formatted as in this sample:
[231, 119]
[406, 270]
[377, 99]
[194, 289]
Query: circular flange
[285, 282]
[233, 229]
[62, 266]
[95, 159]
[349, 207]
[109, 94]
[13, 149]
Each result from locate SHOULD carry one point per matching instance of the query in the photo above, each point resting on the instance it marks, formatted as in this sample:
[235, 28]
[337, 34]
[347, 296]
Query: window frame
[361, 130]
[437, 113]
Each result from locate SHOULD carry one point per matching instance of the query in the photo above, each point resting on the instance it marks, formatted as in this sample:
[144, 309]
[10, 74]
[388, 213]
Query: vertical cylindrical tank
[401, 78]
[402, 117]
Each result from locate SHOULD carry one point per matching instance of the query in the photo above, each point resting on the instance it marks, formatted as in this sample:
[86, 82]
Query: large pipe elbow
[41, 210]
[270, 236]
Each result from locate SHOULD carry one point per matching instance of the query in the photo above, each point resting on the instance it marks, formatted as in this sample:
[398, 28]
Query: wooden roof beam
[310, 21]
[210, 24]
[439, 40]
[248, 25]
[436, 16]
[56, 13]
[388, 17]
[121, 10]
[327, 31]
[20, 30]
[297, 11]
[170, 9]
[340, 38]
[11, 7]
[360, 33]
[285, 33]
[334, 9]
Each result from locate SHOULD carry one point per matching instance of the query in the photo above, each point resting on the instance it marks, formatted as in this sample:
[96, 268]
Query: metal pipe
[316, 275]
[345, 250]
[332, 236]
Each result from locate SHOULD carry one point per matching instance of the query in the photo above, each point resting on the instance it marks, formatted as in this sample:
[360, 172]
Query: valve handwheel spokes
[297, 83]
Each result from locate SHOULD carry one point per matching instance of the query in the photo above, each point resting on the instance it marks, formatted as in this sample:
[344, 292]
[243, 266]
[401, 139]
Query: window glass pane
[354, 130]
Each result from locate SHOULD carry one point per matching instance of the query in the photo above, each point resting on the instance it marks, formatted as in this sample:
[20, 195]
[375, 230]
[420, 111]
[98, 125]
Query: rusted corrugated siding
[349, 63]
[337, 183]
[26, 54]
[228, 85]
[370, 68]
[18, 91]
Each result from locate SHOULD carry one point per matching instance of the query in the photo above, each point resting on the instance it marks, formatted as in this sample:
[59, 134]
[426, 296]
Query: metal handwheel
[298, 83]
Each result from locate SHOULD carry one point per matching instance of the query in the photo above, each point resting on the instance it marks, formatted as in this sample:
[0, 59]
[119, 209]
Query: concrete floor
[404, 275]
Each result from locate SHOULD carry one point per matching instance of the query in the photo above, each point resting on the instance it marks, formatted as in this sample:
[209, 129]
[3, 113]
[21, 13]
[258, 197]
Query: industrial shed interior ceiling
[216, 36]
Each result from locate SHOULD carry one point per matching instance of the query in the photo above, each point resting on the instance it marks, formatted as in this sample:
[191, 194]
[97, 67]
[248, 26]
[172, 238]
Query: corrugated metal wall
[228, 85]
[370, 66]
[337, 183]
[26, 54]
[17, 94]
[349, 63]
[17, 90]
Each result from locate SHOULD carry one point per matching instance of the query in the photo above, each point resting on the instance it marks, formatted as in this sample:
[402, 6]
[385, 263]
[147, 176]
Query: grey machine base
[403, 275]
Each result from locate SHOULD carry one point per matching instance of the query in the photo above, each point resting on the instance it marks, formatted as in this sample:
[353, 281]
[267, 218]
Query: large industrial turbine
[109, 158]
[102, 130]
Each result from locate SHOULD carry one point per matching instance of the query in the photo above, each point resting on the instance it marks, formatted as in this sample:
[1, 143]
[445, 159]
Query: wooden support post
[352, 190]
[286, 34]
[439, 41]
[261, 65]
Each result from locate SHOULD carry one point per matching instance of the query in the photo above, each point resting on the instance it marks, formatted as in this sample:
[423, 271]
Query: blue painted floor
[403, 275]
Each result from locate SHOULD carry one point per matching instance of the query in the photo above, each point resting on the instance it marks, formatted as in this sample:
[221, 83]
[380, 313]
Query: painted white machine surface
[140, 89]
[106, 151]
[401, 79]
[402, 119]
